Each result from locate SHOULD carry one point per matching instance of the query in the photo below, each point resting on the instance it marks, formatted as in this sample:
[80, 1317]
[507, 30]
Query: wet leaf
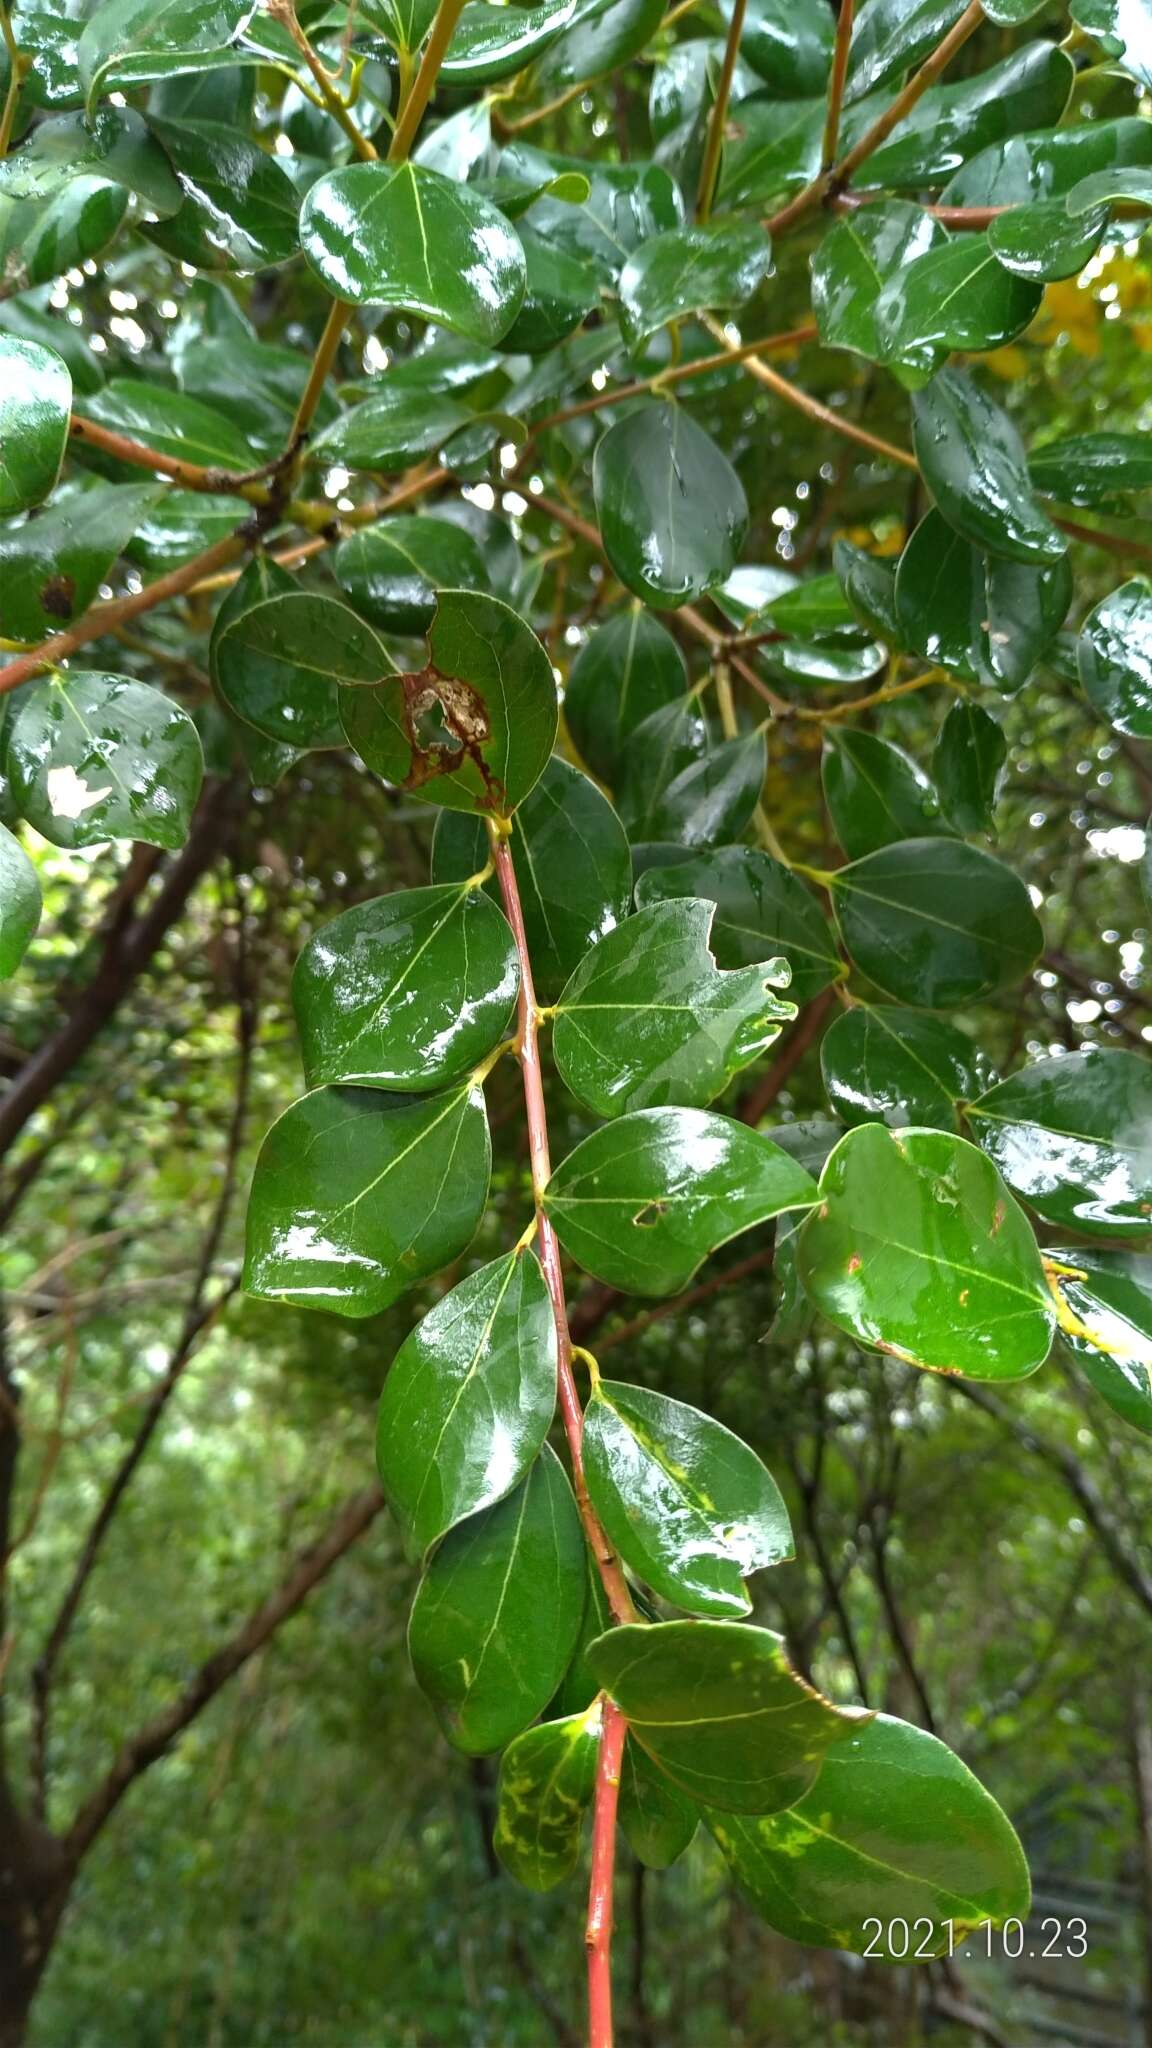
[690, 271]
[394, 571]
[1114, 656]
[20, 903]
[973, 462]
[672, 510]
[1070, 1136]
[934, 922]
[280, 665]
[114, 144]
[1110, 1296]
[95, 757]
[957, 296]
[762, 910]
[983, 618]
[239, 210]
[171, 423]
[899, 1067]
[547, 1779]
[35, 404]
[52, 566]
[876, 795]
[629, 668]
[968, 763]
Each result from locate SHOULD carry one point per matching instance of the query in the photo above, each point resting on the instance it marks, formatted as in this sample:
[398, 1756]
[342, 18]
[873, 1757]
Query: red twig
[598, 1934]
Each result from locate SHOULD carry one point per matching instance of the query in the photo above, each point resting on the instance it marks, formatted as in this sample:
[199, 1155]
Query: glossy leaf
[762, 910]
[547, 1779]
[896, 1833]
[626, 205]
[934, 922]
[1109, 1333]
[601, 37]
[408, 991]
[986, 619]
[713, 799]
[1070, 1136]
[629, 668]
[957, 296]
[1092, 469]
[239, 209]
[356, 1196]
[392, 429]
[1114, 656]
[918, 1249]
[968, 762]
[876, 795]
[498, 1612]
[405, 237]
[721, 1710]
[870, 587]
[20, 903]
[771, 147]
[657, 1821]
[643, 1201]
[1030, 88]
[560, 290]
[473, 729]
[126, 42]
[170, 422]
[488, 43]
[35, 403]
[787, 42]
[394, 571]
[690, 271]
[95, 757]
[672, 509]
[114, 144]
[52, 566]
[899, 1067]
[892, 36]
[280, 665]
[1042, 243]
[468, 1400]
[690, 1509]
[648, 1019]
[1047, 164]
[663, 746]
[573, 868]
[973, 462]
[42, 238]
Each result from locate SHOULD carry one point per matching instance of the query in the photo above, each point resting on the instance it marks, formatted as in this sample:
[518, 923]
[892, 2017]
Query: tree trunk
[35, 1878]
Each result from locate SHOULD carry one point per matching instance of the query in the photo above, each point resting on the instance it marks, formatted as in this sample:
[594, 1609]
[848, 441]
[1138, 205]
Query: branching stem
[719, 115]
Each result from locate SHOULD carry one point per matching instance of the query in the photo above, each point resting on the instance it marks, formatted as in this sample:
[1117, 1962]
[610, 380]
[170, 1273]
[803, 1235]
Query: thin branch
[719, 115]
[814, 410]
[677, 373]
[157, 1736]
[435, 50]
[598, 1930]
[191, 476]
[284, 12]
[836, 81]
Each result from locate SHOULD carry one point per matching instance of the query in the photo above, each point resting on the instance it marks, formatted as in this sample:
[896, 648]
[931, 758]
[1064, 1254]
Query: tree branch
[157, 1736]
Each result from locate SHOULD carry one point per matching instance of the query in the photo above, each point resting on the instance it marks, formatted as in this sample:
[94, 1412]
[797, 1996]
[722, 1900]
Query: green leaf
[899, 1067]
[40, 239]
[547, 1779]
[1070, 1136]
[356, 1196]
[20, 903]
[690, 271]
[671, 508]
[95, 757]
[713, 799]
[896, 1833]
[973, 462]
[787, 42]
[489, 42]
[115, 145]
[690, 1509]
[498, 1611]
[169, 422]
[663, 745]
[657, 1821]
[642, 1202]
[892, 36]
[983, 618]
[626, 205]
[968, 763]
[1048, 164]
[35, 404]
[573, 868]
[629, 668]
[770, 147]
[404, 22]
[394, 571]
[1134, 186]
[468, 1400]
[560, 290]
[603, 36]
[1110, 1331]
[474, 729]
[1092, 469]
[408, 991]
[392, 429]
[280, 664]
[405, 237]
[1114, 656]
[936, 923]
[52, 566]
[648, 1019]
[721, 1710]
[876, 795]
[762, 910]
[817, 606]
[127, 42]
[1029, 89]
[1042, 243]
[239, 211]
[870, 587]
[918, 1249]
[957, 296]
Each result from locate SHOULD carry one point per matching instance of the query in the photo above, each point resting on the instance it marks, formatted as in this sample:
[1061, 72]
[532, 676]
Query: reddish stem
[598, 1932]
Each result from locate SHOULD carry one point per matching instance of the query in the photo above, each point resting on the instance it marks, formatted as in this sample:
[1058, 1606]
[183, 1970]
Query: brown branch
[836, 81]
[125, 957]
[157, 1736]
[199, 1317]
[715, 136]
[813, 410]
[192, 476]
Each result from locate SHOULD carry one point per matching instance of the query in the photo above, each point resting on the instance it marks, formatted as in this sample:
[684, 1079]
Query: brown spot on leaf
[58, 597]
[855, 1263]
[998, 1215]
[446, 721]
[649, 1214]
